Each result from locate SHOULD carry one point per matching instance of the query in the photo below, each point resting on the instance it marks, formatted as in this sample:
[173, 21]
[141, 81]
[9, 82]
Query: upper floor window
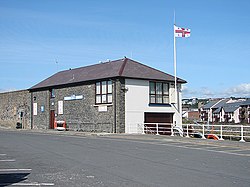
[103, 92]
[52, 93]
[159, 93]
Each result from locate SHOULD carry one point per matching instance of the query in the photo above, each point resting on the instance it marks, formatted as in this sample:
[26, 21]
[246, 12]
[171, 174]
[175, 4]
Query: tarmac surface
[69, 158]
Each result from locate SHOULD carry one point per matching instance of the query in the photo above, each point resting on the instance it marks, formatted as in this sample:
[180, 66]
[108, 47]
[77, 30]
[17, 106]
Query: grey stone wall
[41, 120]
[83, 113]
[120, 105]
[12, 104]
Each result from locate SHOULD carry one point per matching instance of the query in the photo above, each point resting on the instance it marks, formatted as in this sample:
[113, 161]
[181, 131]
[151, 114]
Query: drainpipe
[114, 129]
[31, 111]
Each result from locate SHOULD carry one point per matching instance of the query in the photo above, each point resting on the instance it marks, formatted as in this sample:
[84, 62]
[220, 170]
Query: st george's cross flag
[181, 32]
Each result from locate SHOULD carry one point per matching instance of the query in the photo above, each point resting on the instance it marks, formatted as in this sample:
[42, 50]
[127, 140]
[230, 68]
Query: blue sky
[35, 34]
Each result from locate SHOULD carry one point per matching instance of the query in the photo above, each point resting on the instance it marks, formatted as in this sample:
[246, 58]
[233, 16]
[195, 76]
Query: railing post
[143, 130]
[187, 132]
[242, 134]
[203, 132]
[221, 138]
[172, 129]
[157, 130]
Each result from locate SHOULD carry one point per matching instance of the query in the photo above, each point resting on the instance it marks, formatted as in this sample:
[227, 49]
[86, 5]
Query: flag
[181, 32]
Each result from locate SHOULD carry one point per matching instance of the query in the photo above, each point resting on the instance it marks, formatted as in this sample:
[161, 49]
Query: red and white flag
[181, 32]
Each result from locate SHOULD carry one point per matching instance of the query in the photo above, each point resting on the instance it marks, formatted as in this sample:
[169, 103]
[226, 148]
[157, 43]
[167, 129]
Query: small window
[158, 93]
[98, 88]
[52, 93]
[104, 92]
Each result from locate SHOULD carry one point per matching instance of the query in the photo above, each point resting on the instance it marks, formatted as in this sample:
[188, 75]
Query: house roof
[231, 107]
[245, 103]
[221, 103]
[210, 104]
[125, 67]
[217, 111]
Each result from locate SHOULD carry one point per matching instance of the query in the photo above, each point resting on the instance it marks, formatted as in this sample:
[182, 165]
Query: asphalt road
[39, 159]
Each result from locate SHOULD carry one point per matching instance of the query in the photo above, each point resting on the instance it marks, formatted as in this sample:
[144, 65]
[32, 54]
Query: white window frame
[157, 93]
[103, 92]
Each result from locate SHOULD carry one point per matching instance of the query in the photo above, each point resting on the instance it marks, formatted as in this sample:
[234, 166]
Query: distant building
[191, 115]
[226, 110]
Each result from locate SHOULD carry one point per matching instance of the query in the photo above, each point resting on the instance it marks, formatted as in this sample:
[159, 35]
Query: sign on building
[34, 109]
[60, 107]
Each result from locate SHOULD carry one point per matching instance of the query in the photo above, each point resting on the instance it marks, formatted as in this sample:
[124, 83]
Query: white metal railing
[150, 128]
[241, 132]
[204, 131]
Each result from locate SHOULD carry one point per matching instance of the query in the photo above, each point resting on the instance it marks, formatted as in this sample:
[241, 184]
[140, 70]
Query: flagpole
[175, 68]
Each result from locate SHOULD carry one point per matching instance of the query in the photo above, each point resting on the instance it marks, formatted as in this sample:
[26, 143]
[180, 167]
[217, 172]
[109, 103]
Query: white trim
[97, 105]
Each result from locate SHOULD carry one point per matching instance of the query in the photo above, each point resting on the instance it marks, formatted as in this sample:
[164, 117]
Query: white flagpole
[175, 68]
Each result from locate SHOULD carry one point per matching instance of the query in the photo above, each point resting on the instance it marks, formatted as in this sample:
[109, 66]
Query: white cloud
[202, 92]
[242, 90]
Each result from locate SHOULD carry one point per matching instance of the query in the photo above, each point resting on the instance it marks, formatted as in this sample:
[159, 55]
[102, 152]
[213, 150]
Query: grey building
[105, 97]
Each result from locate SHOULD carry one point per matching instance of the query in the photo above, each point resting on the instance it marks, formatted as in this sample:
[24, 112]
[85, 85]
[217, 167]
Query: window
[52, 93]
[158, 93]
[103, 92]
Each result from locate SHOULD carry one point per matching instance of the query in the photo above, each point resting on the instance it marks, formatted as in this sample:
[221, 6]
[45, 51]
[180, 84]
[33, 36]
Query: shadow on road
[11, 178]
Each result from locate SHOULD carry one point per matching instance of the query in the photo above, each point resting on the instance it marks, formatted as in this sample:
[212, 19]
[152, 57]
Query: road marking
[209, 150]
[8, 170]
[2, 154]
[27, 184]
[236, 150]
[7, 160]
[180, 146]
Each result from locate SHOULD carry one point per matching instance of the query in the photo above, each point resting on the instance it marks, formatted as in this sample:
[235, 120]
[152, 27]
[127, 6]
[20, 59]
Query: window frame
[158, 95]
[104, 94]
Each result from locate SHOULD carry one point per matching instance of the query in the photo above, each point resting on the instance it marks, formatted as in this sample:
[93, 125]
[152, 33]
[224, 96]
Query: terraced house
[113, 96]
[226, 110]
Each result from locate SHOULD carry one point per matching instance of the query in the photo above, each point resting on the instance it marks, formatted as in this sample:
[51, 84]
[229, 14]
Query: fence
[151, 128]
[220, 132]
[204, 131]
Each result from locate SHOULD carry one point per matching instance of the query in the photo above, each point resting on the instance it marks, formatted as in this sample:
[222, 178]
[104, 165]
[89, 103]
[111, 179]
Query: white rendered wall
[137, 102]
[236, 116]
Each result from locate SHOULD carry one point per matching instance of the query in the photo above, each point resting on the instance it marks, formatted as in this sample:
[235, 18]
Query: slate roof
[220, 104]
[245, 103]
[217, 111]
[231, 107]
[125, 67]
[210, 104]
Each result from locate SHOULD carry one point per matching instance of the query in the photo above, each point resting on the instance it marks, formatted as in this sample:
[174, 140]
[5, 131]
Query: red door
[52, 119]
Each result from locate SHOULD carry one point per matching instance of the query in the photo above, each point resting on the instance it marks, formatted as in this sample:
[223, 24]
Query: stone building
[107, 97]
[15, 108]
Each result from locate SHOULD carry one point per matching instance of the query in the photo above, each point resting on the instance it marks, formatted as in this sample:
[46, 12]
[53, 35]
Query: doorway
[52, 119]
[164, 121]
